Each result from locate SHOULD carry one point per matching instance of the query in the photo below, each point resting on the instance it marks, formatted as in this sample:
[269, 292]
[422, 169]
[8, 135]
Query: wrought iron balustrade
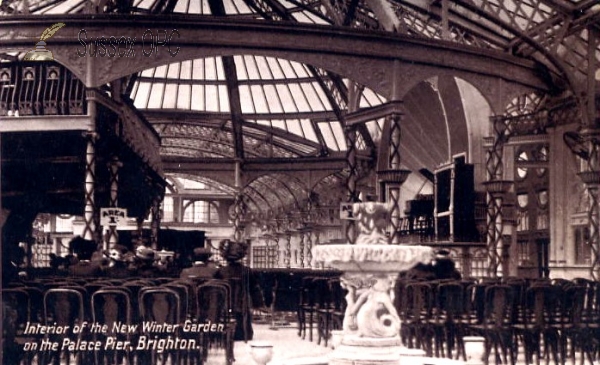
[39, 88]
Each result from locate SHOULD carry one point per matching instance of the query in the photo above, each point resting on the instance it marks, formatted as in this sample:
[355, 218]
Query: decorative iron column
[89, 216]
[309, 244]
[287, 253]
[496, 188]
[351, 182]
[303, 233]
[238, 205]
[590, 175]
[113, 167]
[392, 176]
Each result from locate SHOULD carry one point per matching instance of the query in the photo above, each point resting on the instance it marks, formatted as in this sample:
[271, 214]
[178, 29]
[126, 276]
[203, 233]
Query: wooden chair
[496, 324]
[163, 306]
[65, 307]
[113, 306]
[214, 308]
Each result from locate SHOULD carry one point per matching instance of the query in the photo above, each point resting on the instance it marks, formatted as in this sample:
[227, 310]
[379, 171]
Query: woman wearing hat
[144, 262]
[250, 294]
[201, 268]
[117, 266]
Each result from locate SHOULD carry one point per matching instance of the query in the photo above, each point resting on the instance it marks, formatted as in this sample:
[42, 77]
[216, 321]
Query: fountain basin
[371, 258]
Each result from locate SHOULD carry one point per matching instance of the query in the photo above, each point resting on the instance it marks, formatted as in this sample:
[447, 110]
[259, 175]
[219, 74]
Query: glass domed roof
[283, 109]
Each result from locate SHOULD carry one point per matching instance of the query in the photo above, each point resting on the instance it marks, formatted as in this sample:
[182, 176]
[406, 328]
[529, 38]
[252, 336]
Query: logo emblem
[40, 53]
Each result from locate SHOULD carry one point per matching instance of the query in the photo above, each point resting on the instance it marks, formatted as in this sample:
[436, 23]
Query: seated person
[117, 267]
[420, 272]
[144, 262]
[84, 249]
[444, 267]
[201, 268]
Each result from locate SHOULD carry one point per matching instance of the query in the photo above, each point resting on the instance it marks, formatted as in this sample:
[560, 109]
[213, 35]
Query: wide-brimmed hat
[144, 253]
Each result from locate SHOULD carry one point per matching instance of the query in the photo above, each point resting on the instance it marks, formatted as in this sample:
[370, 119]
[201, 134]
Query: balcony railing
[39, 88]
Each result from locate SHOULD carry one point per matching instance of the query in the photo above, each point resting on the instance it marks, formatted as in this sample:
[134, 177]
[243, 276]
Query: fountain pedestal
[371, 333]
[371, 327]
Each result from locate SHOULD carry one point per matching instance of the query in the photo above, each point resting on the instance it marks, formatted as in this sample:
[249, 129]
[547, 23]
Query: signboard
[346, 211]
[113, 216]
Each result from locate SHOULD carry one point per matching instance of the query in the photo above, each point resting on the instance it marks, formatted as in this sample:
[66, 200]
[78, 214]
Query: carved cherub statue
[372, 220]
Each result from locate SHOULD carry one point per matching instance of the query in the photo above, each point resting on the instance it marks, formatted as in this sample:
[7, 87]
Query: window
[583, 251]
[523, 253]
[167, 208]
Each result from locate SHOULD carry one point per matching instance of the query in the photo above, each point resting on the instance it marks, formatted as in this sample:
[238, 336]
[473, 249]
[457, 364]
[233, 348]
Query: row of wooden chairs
[321, 302]
[130, 304]
[550, 320]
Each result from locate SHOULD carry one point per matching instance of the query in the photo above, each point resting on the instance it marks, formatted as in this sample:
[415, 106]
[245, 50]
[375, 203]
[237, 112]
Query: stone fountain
[371, 327]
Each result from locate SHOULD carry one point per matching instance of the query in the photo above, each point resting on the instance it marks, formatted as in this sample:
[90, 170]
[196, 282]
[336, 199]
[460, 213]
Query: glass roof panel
[258, 96]
[273, 96]
[328, 136]
[172, 93]
[308, 129]
[247, 99]
[198, 98]
[184, 97]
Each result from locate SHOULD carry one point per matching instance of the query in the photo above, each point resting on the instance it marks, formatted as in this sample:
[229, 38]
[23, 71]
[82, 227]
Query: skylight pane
[240, 67]
[302, 18]
[259, 99]
[253, 73]
[161, 71]
[275, 68]
[263, 68]
[328, 136]
[286, 99]
[156, 96]
[273, 98]
[205, 7]
[229, 7]
[279, 124]
[369, 98]
[149, 72]
[338, 133]
[223, 98]
[311, 95]
[309, 131]
[220, 72]
[212, 98]
[141, 97]
[246, 99]
[324, 105]
[182, 6]
[300, 69]
[184, 98]
[300, 98]
[186, 70]
[375, 128]
[288, 70]
[210, 68]
[198, 69]
[170, 96]
[198, 97]
[294, 127]
[173, 71]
